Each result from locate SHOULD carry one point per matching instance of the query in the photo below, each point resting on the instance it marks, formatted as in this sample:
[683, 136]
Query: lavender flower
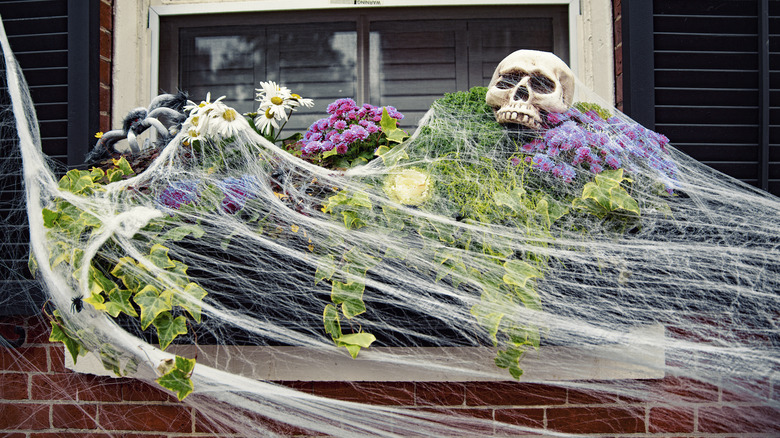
[178, 193]
[237, 191]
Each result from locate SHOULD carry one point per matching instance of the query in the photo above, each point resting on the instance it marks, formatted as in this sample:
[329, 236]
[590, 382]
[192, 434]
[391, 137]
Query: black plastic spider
[76, 304]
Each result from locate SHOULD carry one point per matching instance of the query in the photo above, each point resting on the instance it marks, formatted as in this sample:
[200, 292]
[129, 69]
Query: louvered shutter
[41, 35]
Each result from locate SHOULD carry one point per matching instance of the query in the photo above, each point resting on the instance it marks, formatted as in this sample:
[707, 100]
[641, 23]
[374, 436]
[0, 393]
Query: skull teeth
[507, 116]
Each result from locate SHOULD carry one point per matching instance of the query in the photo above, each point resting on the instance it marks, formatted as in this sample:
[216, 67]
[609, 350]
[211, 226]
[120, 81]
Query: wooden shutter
[55, 43]
[710, 84]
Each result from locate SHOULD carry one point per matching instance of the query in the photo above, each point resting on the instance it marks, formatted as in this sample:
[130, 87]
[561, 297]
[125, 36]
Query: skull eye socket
[509, 80]
[542, 84]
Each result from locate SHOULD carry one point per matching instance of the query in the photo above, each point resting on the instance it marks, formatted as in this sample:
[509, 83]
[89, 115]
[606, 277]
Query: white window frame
[590, 57]
[155, 12]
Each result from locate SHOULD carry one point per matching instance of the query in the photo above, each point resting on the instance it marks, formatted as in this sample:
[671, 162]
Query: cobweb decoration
[468, 241]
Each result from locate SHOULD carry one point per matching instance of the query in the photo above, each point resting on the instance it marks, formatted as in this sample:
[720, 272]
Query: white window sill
[426, 364]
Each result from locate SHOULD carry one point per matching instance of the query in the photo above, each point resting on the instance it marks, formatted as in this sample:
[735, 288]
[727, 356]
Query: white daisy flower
[266, 120]
[298, 100]
[226, 122]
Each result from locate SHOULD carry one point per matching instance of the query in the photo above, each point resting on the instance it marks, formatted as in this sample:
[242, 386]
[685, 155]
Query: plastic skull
[528, 83]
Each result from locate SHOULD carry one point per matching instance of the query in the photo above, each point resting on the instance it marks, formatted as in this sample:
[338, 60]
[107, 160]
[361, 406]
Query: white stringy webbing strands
[452, 241]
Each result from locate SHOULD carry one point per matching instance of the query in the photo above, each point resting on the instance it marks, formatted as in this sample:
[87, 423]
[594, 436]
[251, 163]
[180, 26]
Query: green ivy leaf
[622, 200]
[124, 166]
[354, 342]
[528, 296]
[119, 301]
[360, 339]
[488, 319]
[190, 299]
[330, 318]
[110, 357]
[96, 300]
[179, 233]
[127, 270]
[519, 272]
[352, 220]
[178, 378]
[389, 127]
[152, 304]
[158, 255]
[50, 217]
[168, 328]
[510, 359]
[176, 275]
[58, 335]
[350, 296]
[326, 267]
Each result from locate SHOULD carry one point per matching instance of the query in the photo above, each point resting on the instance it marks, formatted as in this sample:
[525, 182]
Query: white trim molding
[625, 360]
[137, 37]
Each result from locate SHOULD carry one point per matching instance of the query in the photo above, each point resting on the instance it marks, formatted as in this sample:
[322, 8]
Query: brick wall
[40, 398]
[617, 30]
[106, 53]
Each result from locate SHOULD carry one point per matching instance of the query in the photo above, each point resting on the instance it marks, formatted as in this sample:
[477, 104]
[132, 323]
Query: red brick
[57, 359]
[739, 419]
[150, 418]
[105, 121]
[24, 416]
[105, 72]
[15, 435]
[105, 98]
[13, 386]
[105, 44]
[671, 420]
[62, 386]
[91, 435]
[533, 418]
[38, 330]
[617, 9]
[106, 16]
[590, 397]
[74, 416]
[380, 393]
[12, 330]
[596, 420]
[206, 424]
[686, 389]
[469, 422]
[137, 390]
[101, 388]
[513, 394]
[737, 390]
[439, 394]
[24, 359]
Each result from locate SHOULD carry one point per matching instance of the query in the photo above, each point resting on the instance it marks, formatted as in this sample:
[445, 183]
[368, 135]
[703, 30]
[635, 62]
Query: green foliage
[151, 289]
[606, 195]
[584, 107]
[176, 376]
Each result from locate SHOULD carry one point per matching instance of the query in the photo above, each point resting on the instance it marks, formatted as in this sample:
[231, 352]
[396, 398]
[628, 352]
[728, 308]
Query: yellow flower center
[269, 114]
[296, 96]
[229, 115]
[276, 100]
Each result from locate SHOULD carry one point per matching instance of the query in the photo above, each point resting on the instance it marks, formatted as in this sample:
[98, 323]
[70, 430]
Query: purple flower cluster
[178, 193]
[347, 125]
[577, 140]
[236, 190]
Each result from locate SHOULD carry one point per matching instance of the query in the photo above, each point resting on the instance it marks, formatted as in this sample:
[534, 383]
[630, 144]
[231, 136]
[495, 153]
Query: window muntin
[402, 57]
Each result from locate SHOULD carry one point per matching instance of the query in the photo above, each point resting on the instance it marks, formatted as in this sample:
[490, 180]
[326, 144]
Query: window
[379, 56]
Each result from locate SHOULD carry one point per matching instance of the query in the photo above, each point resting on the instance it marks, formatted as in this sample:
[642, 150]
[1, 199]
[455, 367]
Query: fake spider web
[469, 241]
